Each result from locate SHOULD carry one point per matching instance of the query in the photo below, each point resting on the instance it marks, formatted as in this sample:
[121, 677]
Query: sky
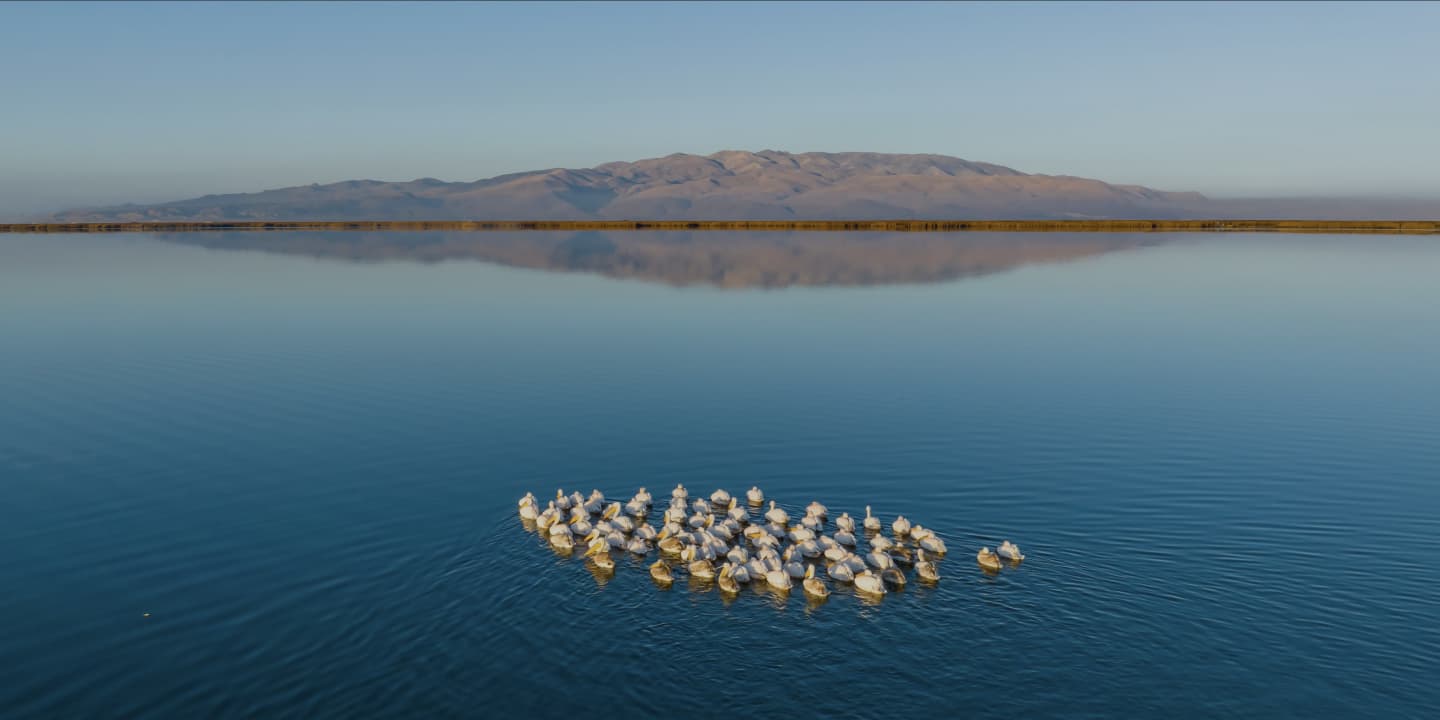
[104, 103]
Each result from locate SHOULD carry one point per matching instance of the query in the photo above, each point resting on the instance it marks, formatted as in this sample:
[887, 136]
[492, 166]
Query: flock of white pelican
[722, 540]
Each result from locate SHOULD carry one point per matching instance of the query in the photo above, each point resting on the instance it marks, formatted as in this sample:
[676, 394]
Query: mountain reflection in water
[726, 260]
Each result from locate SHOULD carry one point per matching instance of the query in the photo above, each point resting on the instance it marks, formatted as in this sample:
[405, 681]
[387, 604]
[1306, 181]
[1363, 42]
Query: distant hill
[768, 185]
[739, 185]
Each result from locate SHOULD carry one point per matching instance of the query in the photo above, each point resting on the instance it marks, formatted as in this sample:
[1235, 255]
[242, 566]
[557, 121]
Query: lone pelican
[755, 495]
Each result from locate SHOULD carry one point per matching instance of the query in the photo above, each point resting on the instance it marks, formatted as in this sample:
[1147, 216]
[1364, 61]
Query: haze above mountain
[731, 185]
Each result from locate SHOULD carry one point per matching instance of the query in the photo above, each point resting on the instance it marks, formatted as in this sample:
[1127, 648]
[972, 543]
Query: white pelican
[639, 547]
[529, 499]
[702, 570]
[595, 545]
[635, 508]
[562, 542]
[879, 560]
[812, 523]
[643, 496]
[738, 555]
[778, 579]
[799, 534]
[604, 561]
[645, 532]
[661, 572]
[755, 496]
[809, 548]
[988, 560]
[753, 533]
[559, 528]
[674, 514]
[581, 527]
[624, 524]
[868, 582]
[679, 493]
[814, 587]
[561, 501]
[700, 506]
[720, 497]
[901, 526]
[882, 543]
[777, 515]
[845, 522]
[1009, 551]
[918, 533]
[611, 511]
[893, 577]
[697, 520]
[836, 554]
[871, 522]
[793, 567]
[845, 537]
[616, 539]
[777, 530]
[594, 505]
[741, 573]
[528, 511]
[924, 568]
[547, 517]
[756, 569]
[816, 509]
[854, 562]
[726, 579]
[933, 544]
[576, 499]
[738, 513]
[766, 540]
[839, 572]
[670, 545]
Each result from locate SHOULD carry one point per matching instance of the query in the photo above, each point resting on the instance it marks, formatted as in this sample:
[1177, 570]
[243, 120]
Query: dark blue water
[1221, 455]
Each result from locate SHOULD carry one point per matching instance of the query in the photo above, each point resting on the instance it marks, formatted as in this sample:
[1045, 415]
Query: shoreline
[1387, 227]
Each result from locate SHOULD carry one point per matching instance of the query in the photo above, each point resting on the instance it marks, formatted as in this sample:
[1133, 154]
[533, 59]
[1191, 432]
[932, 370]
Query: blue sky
[110, 102]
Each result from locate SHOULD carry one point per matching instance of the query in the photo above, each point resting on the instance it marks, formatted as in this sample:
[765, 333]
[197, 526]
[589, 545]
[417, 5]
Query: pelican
[624, 524]
[1009, 551]
[639, 547]
[799, 534]
[933, 544]
[635, 508]
[561, 501]
[766, 540]
[737, 513]
[670, 545]
[559, 528]
[753, 533]
[594, 505]
[755, 495]
[700, 506]
[845, 537]
[576, 499]
[777, 530]
[868, 582]
[812, 523]
[901, 555]
[528, 511]
[777, 515]
[809, 548]
[738, 555]
[893, 577]
[674, 514]
[881, 543]
[836, 554]
[755, 569]
[720, 497]
[816, 509]
[595, 545]
[679, 493]
[840, 572]
[547, 517]
[702, 570]
[814, 587]
[581, 526]
[854, 562]
[645, 532]
[845, 522]
[661, 572]
[924, 568]
[529, 499]
[741, 573]
[562, 542]
[643, 496]
[793, 567]
[988, 560]
[604, 561]
[778, 579]
[918, 533]
[871, 522]
[726, 580]
[616, 539]
[697, 520]
[901, 527]
[879, 560]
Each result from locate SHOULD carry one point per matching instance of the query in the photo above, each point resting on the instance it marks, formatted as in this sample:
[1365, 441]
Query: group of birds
[721, 540]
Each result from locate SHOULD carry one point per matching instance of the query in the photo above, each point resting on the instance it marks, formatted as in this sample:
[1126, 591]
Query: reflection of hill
[732, 260]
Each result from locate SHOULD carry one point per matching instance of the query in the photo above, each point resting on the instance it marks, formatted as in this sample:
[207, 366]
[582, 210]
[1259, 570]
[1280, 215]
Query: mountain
[728, 185]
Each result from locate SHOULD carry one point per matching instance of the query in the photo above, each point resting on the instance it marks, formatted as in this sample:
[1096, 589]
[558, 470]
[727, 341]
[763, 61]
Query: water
[300, 454]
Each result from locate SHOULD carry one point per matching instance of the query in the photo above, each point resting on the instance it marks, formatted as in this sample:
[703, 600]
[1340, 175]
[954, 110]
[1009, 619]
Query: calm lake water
[301, 454]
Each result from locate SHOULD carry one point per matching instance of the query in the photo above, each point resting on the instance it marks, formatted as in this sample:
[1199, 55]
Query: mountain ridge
[725, 185]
